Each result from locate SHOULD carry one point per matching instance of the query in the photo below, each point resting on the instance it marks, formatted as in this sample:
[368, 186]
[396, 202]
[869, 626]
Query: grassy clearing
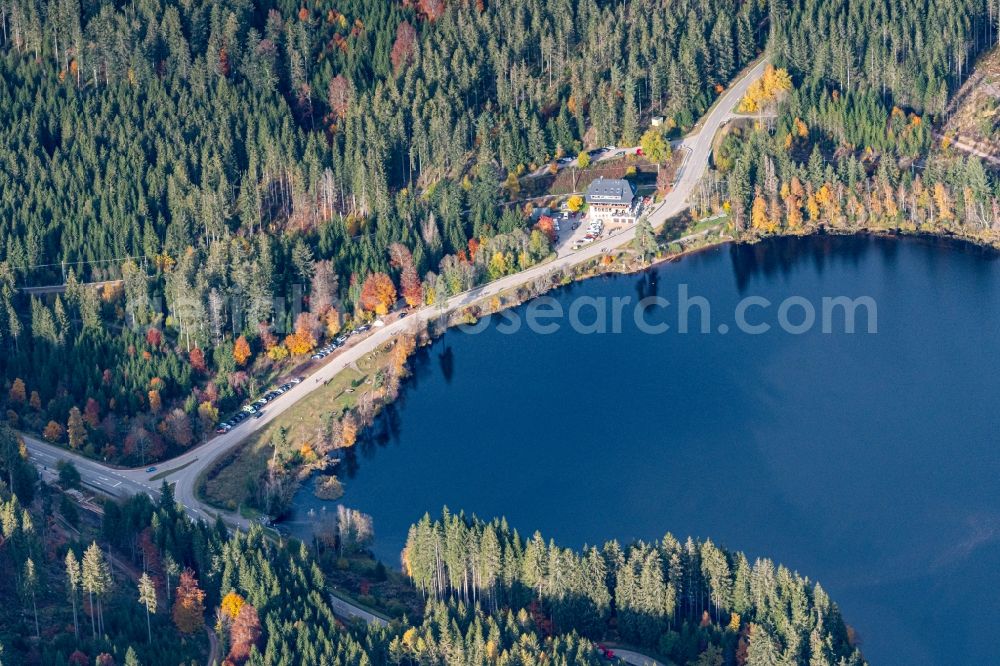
[167, 472]
[709, 222]
[228, 483]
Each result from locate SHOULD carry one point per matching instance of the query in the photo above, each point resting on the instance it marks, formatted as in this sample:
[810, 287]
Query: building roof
[610, 191]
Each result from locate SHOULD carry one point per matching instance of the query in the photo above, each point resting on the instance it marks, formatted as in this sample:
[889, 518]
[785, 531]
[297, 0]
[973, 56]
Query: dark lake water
[868, 462]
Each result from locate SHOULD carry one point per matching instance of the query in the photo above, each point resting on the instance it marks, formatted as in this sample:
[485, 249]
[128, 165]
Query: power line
[80, 262]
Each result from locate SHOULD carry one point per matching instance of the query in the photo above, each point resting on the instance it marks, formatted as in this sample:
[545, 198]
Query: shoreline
[512, 298]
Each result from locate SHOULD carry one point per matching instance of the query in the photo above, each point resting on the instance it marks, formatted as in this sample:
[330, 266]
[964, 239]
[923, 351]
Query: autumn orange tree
[18, 392]
[53, 432]
[197, 359]
[547, 226]
[189, 604]
[244, 632]
[241, 351]
[405, 345]
[409, 280]
[378, 293]
[302, 341]
[155, 403]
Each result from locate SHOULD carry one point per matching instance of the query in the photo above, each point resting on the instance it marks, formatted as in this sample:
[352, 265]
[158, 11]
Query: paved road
[343, 608]
[188, 466]
[634, 658]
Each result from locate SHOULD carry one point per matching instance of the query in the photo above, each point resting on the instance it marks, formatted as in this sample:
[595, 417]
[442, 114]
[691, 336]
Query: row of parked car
[594, 231]
[325, 351]
[256, 409]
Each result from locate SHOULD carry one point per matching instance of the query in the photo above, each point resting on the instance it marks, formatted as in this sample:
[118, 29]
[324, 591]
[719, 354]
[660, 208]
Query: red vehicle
[608, 653]
[638, 152]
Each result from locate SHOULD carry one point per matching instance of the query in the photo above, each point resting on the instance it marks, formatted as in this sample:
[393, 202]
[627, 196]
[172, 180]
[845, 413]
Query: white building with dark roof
[612, 201]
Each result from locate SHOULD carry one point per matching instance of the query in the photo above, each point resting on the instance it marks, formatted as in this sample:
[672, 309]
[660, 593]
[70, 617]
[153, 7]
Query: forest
[260, 177]
[143, 584]
[259, 174]
[853, 142]
[670, 596]
[256, 176]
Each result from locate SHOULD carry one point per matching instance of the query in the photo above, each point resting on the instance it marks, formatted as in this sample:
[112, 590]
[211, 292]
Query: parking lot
[577, 231]
[255, 408]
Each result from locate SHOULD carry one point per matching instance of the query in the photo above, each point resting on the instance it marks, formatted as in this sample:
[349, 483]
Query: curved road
[183, 471]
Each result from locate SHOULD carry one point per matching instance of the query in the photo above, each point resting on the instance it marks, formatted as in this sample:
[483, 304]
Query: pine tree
[76, 430]
[147, 597]
[73, 585]
[29, 588]
[645, 239]
[762, 650]
[96, 581]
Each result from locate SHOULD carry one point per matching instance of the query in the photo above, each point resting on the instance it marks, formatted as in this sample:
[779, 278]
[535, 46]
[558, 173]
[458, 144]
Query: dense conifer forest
[258, 174]
[218, 155]
[143, 584]
[211, 157]
[145, 129]
[671, 596]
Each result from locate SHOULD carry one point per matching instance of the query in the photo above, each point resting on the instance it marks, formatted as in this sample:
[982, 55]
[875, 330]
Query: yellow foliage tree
[758, 214]
[348, 431]
[734, 622]
[765, 89]
[208, 414]
[655, 146]
[154, 401]
[942, 200]
[512, 184]
[813, 207]
[300, 343]
[231, 604]
[575, 203]
[498, 266]
[405, 345]
[331, 322]
[307, 453]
